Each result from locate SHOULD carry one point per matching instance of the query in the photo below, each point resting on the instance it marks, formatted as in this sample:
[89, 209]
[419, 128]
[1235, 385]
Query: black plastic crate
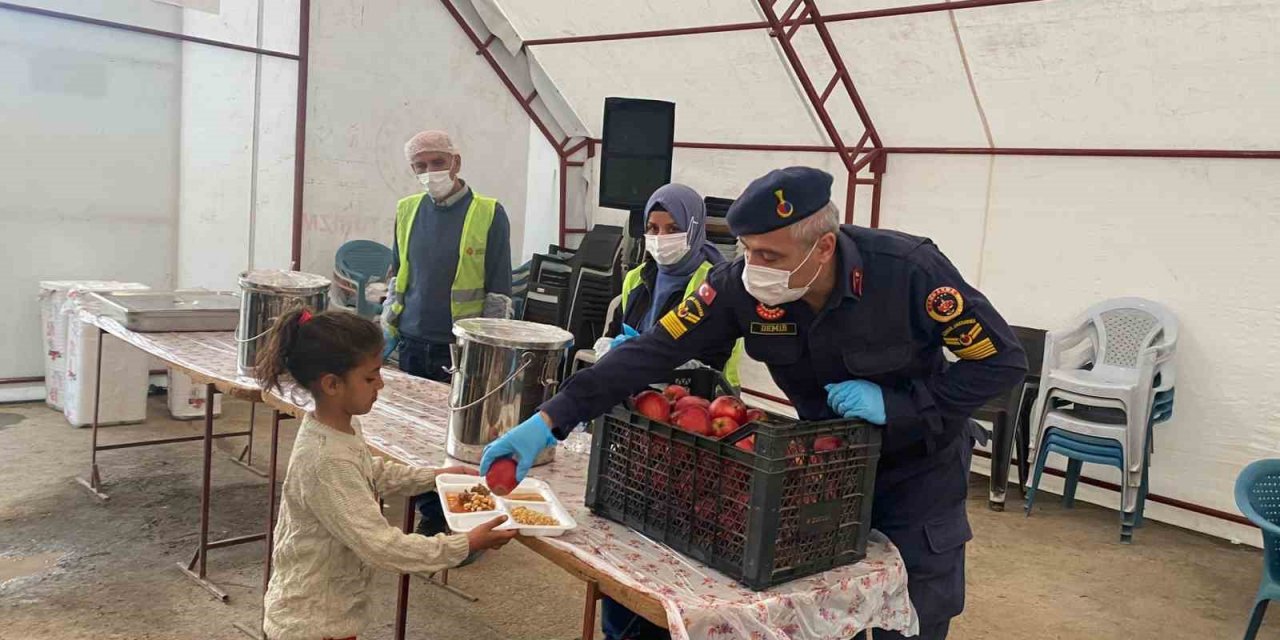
[781, 512]
[702, 381]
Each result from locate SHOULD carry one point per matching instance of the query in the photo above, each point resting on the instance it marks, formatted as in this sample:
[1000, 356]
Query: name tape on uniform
[773, 328]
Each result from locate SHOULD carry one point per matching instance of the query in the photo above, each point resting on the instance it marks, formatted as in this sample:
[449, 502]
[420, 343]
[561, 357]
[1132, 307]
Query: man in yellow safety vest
[452, 260]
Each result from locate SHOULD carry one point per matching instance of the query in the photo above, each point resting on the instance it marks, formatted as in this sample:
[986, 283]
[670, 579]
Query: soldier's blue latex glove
[627, 334]
[390, 340]
[524, 442]
[857, 399]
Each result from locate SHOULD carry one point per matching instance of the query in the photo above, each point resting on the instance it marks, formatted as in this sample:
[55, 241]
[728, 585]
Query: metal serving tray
[157, 311]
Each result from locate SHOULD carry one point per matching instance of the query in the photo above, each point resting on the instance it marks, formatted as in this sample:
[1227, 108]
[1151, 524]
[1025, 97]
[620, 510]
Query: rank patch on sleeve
[980, 350]
[675, 328]
[968, 340]
[679, 320]
[961, 333]
[944, 304]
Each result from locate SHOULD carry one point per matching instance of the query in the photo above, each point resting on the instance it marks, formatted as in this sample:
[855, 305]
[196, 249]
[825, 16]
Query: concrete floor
[71, 567]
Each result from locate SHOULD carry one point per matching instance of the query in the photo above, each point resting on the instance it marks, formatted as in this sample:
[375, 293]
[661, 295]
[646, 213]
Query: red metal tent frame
[867, 153]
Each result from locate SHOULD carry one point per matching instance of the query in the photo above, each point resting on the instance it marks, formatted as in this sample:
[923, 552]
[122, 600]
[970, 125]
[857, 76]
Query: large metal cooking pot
[502, 372]
[267, 294]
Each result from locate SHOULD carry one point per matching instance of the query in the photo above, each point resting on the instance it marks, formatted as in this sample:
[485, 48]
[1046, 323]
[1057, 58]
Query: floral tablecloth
[408, 423]
[209, 357]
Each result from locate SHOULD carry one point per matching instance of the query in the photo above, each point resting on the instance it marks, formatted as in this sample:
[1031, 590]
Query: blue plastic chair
[362, 262]
[1258, 498]
[519, 288]
[1080, 448]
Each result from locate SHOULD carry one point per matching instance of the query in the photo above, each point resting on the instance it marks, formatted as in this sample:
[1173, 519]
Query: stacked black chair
[572, 288]
[597, 278]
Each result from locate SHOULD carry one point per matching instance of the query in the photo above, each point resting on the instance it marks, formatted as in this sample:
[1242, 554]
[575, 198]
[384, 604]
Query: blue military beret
[779, 198]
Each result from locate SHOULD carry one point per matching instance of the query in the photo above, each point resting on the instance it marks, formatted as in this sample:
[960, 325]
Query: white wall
[542, 202]
[1195, 235]
[380, 72]
[89, 128]
[228, 221]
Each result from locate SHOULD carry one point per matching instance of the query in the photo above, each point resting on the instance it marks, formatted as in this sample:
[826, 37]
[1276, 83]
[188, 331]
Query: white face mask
[666, 249]
[438, 183]
[773, 286]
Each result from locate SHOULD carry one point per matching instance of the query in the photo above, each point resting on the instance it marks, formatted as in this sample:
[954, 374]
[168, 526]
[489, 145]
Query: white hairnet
[429, 141]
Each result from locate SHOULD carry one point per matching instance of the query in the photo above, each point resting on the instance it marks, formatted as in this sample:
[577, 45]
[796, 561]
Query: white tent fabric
[1191, 74]
[1044, 237]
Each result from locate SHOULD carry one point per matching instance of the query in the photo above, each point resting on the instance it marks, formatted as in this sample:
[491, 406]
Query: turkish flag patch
[706, 293]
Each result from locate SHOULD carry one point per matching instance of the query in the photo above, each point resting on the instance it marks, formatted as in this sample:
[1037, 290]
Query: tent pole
[787, 21]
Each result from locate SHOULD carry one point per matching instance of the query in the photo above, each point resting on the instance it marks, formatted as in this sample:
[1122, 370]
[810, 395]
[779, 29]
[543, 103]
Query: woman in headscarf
[679, 257]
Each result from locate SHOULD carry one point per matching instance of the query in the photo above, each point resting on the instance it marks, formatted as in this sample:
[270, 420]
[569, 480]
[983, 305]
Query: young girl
[331, 534]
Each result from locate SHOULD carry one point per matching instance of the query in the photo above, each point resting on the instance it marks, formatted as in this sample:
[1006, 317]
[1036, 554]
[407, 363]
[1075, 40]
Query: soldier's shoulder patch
[689, 313]
[962, 333]
[672, 324]
[706, 292]
[944, 304]
[968, 340]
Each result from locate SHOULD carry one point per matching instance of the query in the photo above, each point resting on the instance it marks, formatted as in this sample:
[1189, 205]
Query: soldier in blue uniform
[851, 322]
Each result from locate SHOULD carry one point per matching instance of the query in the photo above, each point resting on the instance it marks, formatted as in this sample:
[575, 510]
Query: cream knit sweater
[331, 535]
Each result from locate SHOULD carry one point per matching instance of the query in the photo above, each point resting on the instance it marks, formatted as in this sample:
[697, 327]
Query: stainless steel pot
[265, 295]
[503, 370]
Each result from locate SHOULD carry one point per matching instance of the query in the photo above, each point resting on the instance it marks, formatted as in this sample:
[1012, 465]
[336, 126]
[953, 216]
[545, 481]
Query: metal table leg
[94, 481]
[197, 568]
[589, 610]
[441, 580]
[245, 459]
[402, 598]
[276, 417]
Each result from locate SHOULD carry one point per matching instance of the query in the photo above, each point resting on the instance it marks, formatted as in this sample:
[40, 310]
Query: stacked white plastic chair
[1117, 356]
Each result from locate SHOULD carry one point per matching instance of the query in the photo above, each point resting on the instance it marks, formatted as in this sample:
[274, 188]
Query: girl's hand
[484, 537]
[458, 470]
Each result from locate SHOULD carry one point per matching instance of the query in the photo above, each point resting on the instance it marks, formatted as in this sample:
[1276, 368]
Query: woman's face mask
[667, 249]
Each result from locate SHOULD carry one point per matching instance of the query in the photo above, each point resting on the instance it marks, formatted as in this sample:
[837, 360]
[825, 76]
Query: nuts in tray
[475, 499]
[525, 515]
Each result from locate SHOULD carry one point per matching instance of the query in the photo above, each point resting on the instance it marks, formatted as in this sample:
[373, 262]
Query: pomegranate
[502, 476]
[723, 426]
[652, 405]
[694, 420]
[692, 401]
[730, 407]
[674, 392]
[826, 443]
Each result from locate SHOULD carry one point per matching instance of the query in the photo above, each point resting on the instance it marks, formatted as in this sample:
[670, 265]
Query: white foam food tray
[549, 504]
